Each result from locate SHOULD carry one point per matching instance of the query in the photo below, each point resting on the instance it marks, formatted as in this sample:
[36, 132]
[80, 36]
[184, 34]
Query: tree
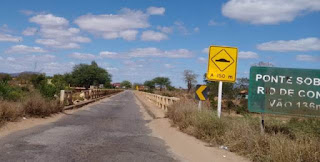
[242, 83]
[150, 84]
[38, 79]
[264, 64]
[162, 82]
[227, 89]
[85, 75]
[59, 81]
[190, 78]
[127, 84]
[68, 78]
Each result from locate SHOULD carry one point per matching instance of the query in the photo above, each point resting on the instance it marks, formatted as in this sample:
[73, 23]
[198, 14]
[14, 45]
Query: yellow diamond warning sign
[222, 64]
[222, 60]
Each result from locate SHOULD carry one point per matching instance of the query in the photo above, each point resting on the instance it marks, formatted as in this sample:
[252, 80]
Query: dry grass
[284, 141]
[10, 111]
[37, 106]
[32, 106]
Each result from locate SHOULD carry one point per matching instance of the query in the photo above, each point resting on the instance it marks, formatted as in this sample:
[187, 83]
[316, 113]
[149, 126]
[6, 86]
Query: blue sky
[139, 40]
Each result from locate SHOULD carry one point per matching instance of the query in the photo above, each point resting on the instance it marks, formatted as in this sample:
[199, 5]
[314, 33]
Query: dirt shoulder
[26, 123]
[183, 146]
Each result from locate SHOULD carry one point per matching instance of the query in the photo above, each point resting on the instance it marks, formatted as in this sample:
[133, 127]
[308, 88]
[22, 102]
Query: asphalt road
[112, 130]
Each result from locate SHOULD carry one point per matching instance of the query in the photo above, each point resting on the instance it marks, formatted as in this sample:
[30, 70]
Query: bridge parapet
[67, 97]
[161, 101]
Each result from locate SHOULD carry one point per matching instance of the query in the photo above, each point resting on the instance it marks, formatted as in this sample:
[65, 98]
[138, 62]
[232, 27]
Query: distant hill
[17, 74]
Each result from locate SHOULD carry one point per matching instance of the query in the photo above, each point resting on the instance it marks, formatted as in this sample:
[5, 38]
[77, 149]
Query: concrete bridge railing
[66, 96]
[161, 101]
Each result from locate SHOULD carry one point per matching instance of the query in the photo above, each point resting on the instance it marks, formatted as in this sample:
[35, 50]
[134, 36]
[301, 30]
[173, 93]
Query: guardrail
[88, 96]
[161, 101]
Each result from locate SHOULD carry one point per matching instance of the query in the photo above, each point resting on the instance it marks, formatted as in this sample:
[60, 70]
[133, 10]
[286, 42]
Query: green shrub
[10, 93]
[48, 90]
[38, 79]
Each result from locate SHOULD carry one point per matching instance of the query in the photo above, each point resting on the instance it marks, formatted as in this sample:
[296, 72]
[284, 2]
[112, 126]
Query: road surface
[112, 130]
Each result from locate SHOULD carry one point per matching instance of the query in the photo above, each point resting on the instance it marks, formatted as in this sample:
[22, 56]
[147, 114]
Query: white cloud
[248, 55]
[165, 29]
[30, 31]
[110, 35]
[268, 11]
[205, 50]
[127, 19]
[128, 34]
[9, 38]
[57, 43]
[169, 66]
[181, 27]
[5, 28]
[196, 29]
[156, 10]
[308, 58]
[49, 20]
[37, 63]
[111, 26]
[108, 54]
[306, 44]
[23, 49]
[56, 33]
[11, 59]
[202, 59]
[80, 39]
[212, 22]
[153, 36]
[132, 65]
[155, 52]
[82, 56]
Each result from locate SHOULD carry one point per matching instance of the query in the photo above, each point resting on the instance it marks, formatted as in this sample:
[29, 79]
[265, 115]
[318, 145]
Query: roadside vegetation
[36, 95]
[285, 139]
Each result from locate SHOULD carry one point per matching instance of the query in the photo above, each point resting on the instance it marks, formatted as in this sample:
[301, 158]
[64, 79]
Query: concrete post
[62, 95]
[90, 94]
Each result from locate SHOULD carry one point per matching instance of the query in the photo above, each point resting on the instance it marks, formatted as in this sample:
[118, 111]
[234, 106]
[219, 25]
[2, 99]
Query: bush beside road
[284, 141]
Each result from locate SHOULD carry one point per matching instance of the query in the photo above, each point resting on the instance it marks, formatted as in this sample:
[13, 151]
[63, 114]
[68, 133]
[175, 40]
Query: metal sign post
[200, 105]
[262, 124]
[219, 98]
[222, 67]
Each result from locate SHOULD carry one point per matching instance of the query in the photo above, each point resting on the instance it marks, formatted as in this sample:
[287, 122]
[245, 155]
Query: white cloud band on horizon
[155, 52]
[308, 58]
[305, 44]
[82, 56]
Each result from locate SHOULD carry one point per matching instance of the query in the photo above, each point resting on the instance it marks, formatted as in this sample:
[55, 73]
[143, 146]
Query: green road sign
[201, 92]
[284, 91]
